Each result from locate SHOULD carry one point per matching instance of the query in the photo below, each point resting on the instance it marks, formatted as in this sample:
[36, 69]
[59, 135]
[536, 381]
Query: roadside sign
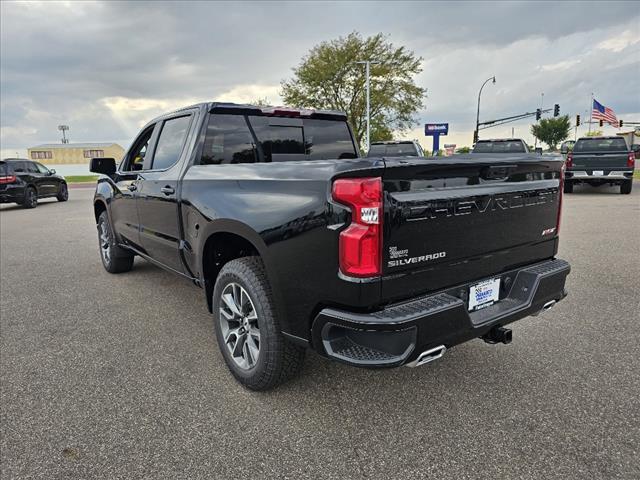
[435, 130]
[432, 129]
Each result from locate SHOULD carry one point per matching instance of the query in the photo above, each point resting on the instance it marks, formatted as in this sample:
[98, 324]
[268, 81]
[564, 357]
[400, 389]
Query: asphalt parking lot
[119, 376]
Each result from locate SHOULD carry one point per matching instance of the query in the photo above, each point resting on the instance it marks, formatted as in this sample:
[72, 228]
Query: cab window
[135, 159]
[42, 169]
[170, 142]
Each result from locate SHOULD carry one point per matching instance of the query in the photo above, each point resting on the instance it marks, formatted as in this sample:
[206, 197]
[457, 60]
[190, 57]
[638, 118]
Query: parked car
[396, 148]
[600, 161]
[24, 181]
[298, 243]
[501, 145]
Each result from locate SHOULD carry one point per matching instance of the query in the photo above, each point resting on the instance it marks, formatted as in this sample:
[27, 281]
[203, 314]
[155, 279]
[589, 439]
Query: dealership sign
[431, 129]
[435, 130]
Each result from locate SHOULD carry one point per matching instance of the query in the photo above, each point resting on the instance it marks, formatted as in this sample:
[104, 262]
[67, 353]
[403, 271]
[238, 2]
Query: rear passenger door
[158, 192]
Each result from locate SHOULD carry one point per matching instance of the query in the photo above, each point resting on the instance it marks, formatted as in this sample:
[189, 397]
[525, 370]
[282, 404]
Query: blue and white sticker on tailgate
[484, 294]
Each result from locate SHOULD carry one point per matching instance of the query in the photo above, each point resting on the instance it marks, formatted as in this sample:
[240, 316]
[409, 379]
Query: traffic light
[620, 123]
[577, 120]
[538, 113]
[601, 123]
[556, 110]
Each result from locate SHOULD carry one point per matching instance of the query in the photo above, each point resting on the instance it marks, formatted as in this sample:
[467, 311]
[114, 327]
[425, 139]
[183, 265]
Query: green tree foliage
[552, 130]
[595, 133]
[463, 150]
[328, 77]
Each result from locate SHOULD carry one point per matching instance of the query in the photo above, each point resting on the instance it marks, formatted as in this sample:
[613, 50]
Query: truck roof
[500, 140]
[247, 109]
[393, 142]
[603, 137]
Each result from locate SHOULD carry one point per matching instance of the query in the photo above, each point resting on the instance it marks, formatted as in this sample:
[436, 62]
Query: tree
[328, 77]
[463, 150]
[552, 130]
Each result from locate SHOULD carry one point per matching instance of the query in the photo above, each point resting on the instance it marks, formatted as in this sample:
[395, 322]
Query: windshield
[393, 150]
[500, 147]
[600, 145]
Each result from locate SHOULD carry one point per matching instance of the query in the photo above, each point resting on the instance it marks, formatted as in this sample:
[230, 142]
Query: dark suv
[23, 181]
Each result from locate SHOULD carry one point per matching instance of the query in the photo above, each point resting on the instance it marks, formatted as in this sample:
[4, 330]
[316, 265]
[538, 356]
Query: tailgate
[459, 219]
[599, 161]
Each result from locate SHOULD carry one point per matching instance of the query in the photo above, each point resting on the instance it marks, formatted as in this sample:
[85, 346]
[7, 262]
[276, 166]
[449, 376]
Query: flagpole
[590, 112]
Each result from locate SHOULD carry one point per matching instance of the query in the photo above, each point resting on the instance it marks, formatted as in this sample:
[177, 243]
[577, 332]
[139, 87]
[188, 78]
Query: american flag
[600, 112]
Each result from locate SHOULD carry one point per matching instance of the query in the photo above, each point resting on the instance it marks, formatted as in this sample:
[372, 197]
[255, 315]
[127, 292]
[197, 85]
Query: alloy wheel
[239, 326]
[105, 244]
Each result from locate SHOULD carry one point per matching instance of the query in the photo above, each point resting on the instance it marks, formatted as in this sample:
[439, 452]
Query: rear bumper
[601, 175]
[399, 333]
[12, 194]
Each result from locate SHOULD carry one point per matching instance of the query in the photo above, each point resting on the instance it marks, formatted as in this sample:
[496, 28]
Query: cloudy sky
[105, 68]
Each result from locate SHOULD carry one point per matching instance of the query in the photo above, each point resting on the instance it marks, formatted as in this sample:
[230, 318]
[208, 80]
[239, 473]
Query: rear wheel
[568, 187]
[63, 193]
[115, 259]
[30, 198]
[625, 187]
[247, 327]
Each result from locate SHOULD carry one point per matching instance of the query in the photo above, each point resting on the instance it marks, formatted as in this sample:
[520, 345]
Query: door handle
[167, 190]
[132, 187]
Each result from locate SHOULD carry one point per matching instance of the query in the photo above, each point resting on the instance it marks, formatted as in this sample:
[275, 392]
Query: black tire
[626, 186]
[63, 193]
[277, 359]
[30, 198]
[568, 187]
[115, 259]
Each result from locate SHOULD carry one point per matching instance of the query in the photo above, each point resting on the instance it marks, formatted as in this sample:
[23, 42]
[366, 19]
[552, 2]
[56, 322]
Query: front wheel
[63, 193]
[248, 330]
[115, 259]
[626, 186]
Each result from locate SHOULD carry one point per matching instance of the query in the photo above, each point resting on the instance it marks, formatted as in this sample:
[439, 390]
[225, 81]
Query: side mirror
[104, 166]
[52, 171]
[635, 148]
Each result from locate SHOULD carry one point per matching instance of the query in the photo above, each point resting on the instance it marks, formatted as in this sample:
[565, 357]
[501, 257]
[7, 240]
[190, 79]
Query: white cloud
[620, 42]
[249, 93]
[559, 66]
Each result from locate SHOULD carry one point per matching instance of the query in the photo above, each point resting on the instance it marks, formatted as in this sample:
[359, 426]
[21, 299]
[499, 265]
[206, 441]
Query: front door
[124, 211]
[158, 194]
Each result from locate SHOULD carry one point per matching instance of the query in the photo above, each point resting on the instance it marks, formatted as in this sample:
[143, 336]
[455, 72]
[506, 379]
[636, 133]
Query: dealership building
[74, 153]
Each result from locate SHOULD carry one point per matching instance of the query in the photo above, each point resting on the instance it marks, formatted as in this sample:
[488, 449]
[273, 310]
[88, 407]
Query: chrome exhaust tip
[428, 356]
[545, 307]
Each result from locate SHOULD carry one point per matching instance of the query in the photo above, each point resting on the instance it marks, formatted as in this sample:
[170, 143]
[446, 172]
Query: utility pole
[477, 132]
[367, 64]
[64, 128]
[590, 112]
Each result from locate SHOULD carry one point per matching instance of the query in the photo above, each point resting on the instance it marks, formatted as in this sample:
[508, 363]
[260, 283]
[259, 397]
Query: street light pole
[477, 134]
[367, 64]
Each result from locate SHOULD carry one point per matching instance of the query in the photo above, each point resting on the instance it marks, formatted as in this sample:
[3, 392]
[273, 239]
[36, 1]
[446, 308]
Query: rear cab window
[600, 145]
[247, 139]
[500, 147]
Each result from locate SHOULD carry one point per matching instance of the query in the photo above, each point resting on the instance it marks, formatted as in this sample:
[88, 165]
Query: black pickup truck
[600, 161]
[300, 243]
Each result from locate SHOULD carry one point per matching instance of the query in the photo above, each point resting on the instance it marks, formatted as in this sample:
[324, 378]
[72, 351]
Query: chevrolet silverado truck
[299, 243]
[600, 161]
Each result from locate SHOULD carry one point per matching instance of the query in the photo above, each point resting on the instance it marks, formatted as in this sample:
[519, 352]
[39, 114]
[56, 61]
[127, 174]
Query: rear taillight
[631, 160]
[7, 179]
[569, 161]
[560, 196]
[361, 241]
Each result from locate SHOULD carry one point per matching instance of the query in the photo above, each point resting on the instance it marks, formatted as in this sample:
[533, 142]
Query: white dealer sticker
[484, 294]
